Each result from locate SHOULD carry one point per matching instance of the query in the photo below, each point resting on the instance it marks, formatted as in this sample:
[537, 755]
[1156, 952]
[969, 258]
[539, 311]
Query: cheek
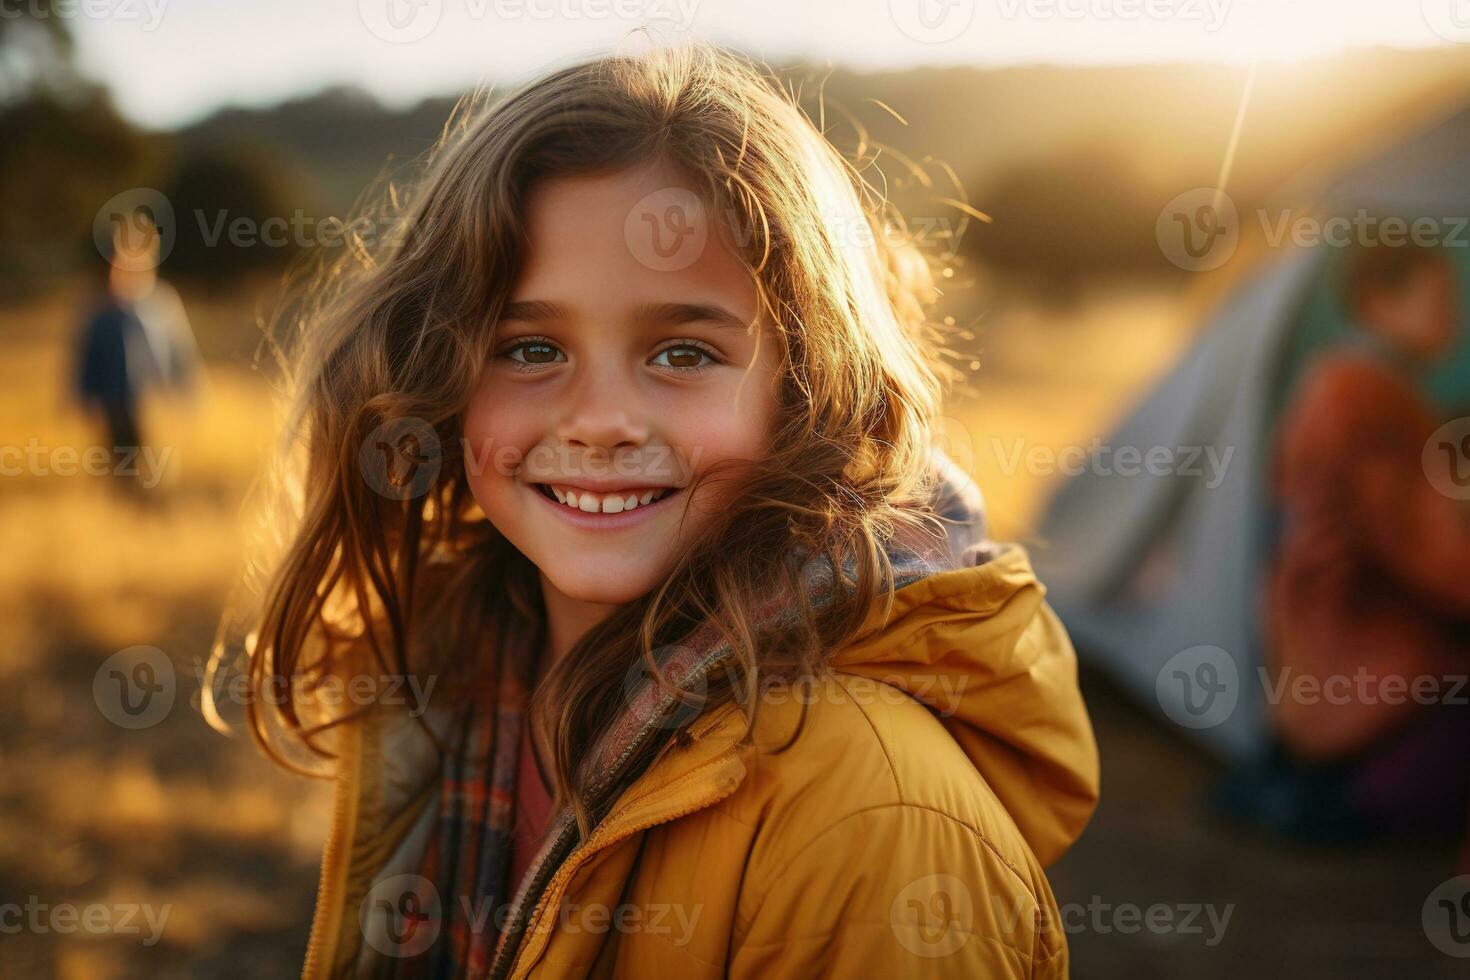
[498, 431]
[481, 420]
[725, 436]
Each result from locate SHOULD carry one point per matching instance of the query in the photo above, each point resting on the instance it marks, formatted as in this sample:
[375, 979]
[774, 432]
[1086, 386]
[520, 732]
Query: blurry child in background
[1370, 592]
[109, 346]
[136, 337]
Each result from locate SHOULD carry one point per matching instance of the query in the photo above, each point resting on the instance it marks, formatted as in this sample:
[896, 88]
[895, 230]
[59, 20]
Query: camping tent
[1157, 571]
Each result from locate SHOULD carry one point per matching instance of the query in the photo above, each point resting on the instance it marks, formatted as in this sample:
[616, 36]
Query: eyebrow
[542, 311]
[531, 311]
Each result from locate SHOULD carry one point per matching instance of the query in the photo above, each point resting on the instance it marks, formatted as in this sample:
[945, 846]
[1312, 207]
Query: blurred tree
[239, 210]
[61, 159]
[1081, 214]
[65, 150]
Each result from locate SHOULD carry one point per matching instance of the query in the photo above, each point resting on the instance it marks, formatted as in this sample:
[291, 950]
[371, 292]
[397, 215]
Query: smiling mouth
[617, 502]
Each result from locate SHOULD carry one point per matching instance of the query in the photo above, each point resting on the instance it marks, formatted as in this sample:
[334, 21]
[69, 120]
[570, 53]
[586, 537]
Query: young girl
[623, 450]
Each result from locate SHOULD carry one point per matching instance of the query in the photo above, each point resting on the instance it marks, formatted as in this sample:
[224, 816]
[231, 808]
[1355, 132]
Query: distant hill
[341, 138]
[1073, 163]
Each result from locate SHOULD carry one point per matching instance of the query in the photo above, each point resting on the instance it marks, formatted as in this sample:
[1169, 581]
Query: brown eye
[533, 352]
[684, 357]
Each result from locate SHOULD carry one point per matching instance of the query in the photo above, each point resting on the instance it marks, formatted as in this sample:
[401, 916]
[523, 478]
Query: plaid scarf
[467, 858]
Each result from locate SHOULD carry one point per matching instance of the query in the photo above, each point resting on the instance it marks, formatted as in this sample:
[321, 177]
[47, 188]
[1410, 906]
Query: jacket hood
[977, 643]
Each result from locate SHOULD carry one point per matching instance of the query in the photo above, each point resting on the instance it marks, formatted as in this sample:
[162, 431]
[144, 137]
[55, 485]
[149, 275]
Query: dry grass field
[174, 816]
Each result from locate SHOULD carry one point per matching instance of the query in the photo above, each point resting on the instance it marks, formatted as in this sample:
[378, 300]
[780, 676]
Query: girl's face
[628, 361]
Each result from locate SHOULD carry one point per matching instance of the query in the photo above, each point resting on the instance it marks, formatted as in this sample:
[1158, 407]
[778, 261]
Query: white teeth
[614, 503]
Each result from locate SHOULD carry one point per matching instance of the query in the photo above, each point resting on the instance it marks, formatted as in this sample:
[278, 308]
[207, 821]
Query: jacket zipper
[577, 859]
[343, 792]
[503, 961]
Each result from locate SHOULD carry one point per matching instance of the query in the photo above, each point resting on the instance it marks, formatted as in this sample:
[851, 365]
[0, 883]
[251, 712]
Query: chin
[601, 585]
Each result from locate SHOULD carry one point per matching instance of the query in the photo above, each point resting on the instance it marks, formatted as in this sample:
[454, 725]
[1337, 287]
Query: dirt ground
[1293, 910]
[174, 820]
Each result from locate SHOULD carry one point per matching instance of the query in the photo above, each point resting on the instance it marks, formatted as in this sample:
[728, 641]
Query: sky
[171, 61]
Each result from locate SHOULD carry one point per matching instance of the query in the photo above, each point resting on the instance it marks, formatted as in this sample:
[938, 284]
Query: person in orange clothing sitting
[1368, 600]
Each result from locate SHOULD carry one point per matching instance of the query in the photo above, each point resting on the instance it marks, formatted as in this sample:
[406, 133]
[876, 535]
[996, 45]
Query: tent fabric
[1143, 568]
[1424, 175]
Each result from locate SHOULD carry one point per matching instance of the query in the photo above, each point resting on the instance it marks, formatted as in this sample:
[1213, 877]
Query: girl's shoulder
[870, 751]
[959, 720]
[874, 817]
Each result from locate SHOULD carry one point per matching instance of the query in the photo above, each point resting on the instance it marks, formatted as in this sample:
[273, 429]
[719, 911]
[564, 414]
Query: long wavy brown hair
[407, 577]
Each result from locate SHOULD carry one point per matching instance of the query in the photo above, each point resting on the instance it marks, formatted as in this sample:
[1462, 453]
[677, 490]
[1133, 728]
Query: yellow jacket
[891, 839]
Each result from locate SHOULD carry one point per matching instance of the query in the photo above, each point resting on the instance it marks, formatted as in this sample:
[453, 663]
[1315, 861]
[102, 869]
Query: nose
[602, 412]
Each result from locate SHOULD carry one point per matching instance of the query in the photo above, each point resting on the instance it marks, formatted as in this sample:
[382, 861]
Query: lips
[613, 502]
